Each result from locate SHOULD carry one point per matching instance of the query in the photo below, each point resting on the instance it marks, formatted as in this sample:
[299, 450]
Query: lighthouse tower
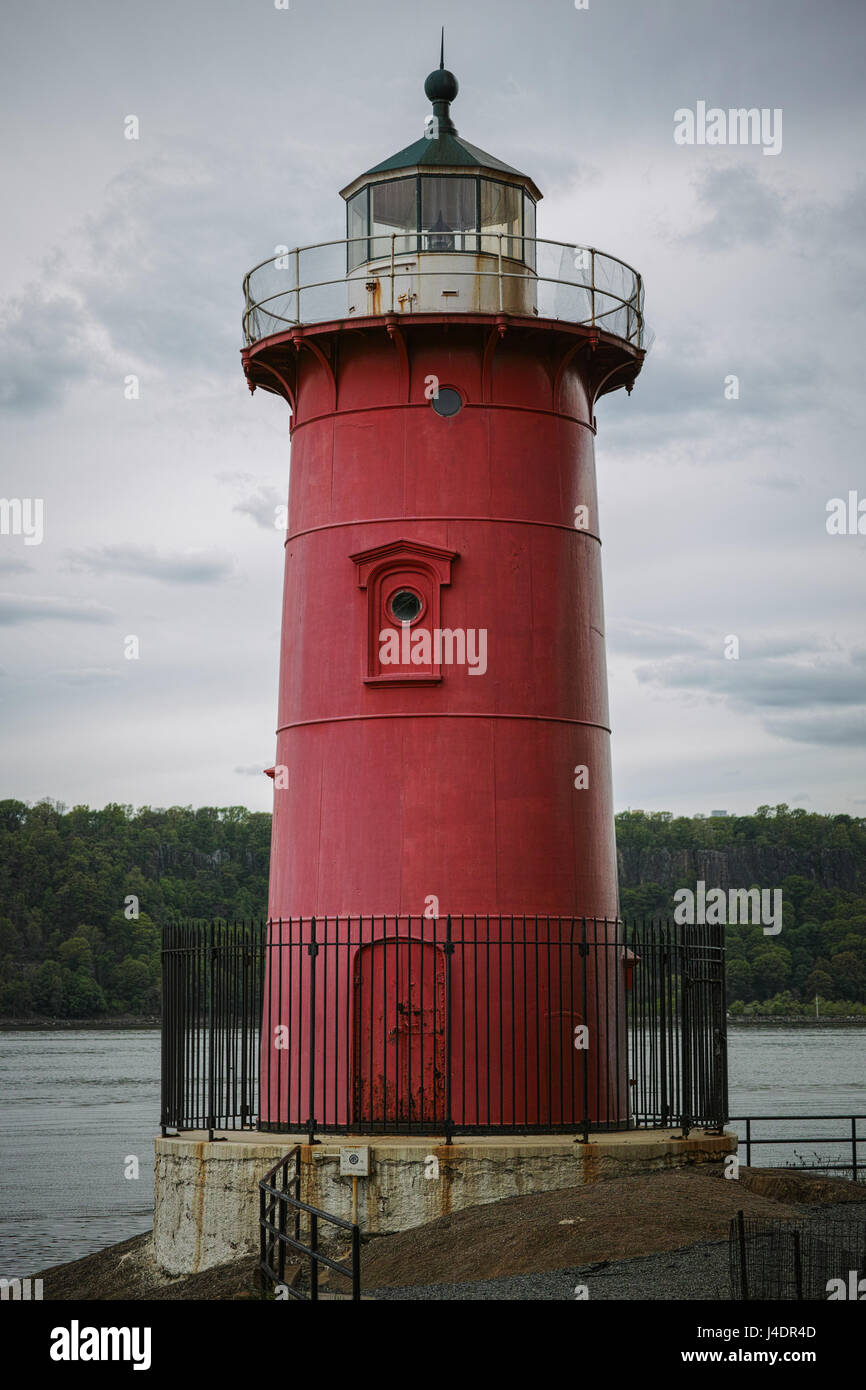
[443, 889]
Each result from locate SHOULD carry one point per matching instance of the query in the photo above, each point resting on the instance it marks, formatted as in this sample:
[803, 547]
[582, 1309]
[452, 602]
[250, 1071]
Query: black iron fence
[277, 1206]
[455, 1025]
[775, 1133]
[819, 1258]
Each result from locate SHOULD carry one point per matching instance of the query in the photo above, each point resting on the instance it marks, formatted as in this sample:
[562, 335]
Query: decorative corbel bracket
[494, 338]
[301, 340]
[392, 328]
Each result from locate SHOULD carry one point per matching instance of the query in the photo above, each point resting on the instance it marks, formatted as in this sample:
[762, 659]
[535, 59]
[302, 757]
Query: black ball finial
[441, 87]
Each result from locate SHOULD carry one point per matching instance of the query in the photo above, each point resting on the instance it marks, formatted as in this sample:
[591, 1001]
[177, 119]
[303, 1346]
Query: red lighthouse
[443, 886]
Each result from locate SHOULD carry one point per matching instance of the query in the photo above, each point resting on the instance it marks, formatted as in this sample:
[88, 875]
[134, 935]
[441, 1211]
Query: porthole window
[447, 402]
[405, 606]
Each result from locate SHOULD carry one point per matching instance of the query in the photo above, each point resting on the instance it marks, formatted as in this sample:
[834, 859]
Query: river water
[79, 1106]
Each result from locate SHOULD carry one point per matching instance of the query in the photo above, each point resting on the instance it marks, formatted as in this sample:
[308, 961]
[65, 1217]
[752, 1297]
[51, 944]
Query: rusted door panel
[399, 1035]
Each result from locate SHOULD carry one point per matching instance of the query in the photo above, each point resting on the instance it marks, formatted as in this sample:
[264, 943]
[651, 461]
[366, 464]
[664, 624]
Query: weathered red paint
[440, 783]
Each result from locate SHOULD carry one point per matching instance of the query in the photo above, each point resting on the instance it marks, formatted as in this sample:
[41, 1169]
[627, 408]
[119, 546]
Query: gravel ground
[598, 1224]
[699, 1271]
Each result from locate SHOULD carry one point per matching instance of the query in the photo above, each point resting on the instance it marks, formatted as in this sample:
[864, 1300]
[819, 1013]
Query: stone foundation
[207, 1196]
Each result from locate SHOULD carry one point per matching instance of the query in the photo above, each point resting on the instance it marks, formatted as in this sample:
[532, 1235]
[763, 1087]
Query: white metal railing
[309, 284]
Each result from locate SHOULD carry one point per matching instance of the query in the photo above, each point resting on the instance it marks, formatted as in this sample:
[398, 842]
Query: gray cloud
[761, 683]
[685, 384]
[193, 567]
[780, 484]
[89, 675]
[640, 639]
[760, 646]
[28, 608]
[840, 729]
[801, 689]
[739, 207]
[44, 347]
[152, 279]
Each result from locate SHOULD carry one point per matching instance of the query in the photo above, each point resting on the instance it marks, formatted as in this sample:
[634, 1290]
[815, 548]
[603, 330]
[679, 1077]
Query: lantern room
[445, 219]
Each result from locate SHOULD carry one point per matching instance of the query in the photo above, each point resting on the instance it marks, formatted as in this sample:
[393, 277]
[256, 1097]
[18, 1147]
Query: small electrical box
[355, 1163]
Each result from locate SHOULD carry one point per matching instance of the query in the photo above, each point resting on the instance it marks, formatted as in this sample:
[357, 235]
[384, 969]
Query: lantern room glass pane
[529, 230]
[356, 226]
[394, 209]
[500, 213]
[449, 215]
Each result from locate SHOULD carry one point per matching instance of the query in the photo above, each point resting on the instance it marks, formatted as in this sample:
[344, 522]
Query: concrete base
[207, 1197]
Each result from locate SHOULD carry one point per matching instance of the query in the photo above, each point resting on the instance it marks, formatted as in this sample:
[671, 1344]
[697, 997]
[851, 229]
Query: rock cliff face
[736, 867]
[740, 866]
[172, 857]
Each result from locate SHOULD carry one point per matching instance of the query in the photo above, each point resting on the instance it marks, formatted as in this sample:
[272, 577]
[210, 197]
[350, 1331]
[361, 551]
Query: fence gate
[704, 1028]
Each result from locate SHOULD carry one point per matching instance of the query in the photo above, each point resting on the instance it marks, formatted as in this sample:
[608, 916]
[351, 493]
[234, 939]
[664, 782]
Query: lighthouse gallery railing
[455, 1025]
[576, 284]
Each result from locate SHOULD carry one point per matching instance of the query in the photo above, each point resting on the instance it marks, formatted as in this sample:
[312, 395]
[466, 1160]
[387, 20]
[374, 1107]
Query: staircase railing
[278, 1208]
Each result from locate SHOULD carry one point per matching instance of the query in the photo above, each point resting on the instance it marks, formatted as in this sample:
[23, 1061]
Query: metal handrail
[275, 1239]
[852, 1137]
[387, 268]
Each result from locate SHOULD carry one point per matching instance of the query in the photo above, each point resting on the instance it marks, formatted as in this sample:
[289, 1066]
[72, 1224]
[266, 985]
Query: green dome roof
[446, 149]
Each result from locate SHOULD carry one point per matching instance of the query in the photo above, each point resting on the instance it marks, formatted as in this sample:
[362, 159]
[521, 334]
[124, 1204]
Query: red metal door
[399, 1035]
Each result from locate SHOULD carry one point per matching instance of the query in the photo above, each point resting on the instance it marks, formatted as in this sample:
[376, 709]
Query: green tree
[771, 969]
[740, 980]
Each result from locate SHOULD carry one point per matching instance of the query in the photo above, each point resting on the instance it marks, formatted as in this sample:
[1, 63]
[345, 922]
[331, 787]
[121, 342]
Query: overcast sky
[126, 257]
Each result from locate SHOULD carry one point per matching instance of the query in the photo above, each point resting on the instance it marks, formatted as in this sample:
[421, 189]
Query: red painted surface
[409, 782]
